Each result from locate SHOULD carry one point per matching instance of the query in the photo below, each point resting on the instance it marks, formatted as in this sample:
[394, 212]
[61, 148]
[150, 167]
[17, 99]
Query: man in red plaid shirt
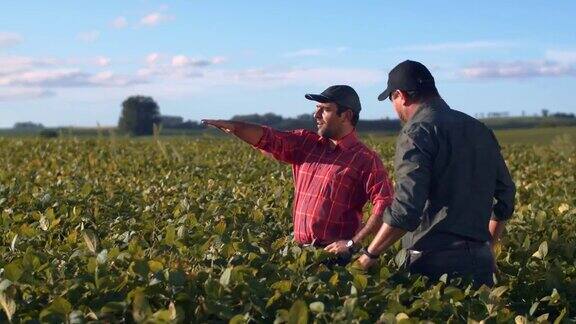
[334, 173]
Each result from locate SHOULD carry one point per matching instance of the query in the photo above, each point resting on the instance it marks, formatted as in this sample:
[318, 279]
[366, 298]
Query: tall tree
[139, 114]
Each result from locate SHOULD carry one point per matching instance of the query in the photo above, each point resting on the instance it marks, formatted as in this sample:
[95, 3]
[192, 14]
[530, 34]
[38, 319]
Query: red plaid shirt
[331, 184]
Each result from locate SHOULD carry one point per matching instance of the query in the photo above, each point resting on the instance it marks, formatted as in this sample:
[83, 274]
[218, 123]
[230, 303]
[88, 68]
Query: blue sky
[73, 62]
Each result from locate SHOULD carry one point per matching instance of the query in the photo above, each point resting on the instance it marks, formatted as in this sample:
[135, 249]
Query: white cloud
[9, 39]
[180, 61]
[119, 22]
[67, 78]
[152, 58]
[103, 61]
[218, 60]
[17, 94]
[89, 37]
[561, 56]
[12, 64]
[456, 46]
[155, 18]
[517, 69]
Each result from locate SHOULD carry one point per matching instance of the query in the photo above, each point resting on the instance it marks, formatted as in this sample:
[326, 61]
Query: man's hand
[338, 247]
[223, 125]
[365, 262]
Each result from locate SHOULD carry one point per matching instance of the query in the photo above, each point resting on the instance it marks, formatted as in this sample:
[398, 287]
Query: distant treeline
[306, 121]
[175, 125]
[391, 125]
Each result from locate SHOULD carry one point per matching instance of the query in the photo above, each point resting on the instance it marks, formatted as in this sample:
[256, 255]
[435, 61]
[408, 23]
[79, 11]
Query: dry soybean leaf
[8, 304]
[91, 240]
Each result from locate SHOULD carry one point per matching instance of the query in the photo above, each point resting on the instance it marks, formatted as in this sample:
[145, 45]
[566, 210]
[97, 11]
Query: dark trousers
[473, 261]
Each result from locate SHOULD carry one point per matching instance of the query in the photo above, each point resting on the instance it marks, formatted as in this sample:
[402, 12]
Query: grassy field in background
[529, 136]
[536, 135]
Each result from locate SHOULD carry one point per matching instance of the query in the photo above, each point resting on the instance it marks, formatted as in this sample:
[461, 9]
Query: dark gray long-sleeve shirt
[450, 179]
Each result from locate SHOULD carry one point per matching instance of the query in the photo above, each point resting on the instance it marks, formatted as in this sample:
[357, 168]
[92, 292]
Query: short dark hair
[355, 114]
[424, 94]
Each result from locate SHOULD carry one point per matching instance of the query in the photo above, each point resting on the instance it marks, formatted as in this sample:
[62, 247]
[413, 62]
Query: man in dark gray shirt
[453, 191]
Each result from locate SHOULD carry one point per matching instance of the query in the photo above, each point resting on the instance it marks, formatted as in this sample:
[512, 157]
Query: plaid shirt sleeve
[284, 146]
[379, 188]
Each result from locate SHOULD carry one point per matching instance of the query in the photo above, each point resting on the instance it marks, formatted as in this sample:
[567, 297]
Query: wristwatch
[368, 254]
[350, 246]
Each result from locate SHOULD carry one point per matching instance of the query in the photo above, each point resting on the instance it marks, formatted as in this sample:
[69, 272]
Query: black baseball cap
[408, 76]
[343, 95]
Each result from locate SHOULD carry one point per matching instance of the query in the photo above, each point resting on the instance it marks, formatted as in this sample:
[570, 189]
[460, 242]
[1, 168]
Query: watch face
[349, 243]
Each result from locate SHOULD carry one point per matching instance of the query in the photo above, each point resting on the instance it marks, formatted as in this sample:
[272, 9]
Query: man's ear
[349, 115]
[404, 97]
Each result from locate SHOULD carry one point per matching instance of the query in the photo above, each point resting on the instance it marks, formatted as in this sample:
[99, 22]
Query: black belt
[455, 245]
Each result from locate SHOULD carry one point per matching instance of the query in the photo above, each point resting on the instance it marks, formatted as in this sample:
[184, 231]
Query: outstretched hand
[338, 247]
[223, 125]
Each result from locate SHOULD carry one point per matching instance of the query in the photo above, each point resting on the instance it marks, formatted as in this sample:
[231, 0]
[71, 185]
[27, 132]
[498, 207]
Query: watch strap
[368, 254]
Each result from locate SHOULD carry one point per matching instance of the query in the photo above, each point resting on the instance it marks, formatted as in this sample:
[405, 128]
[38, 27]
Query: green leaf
[558, 319]
[220, 228]
[238, 319]
[155, 266]
[360, 282]
[400, 258]
[140, 307]
[86, 189]
[170, 236]
[141, 268]
[13, 271]
[61, 306]
[298, 313]
[282, 286]
[177, 278]
[258, 216]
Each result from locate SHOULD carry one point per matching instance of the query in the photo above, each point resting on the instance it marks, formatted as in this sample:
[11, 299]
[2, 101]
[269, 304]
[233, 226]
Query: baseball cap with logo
[408, 76]
[342, 95]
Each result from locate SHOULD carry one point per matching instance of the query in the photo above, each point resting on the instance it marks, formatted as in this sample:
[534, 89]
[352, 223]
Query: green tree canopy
[138, 116]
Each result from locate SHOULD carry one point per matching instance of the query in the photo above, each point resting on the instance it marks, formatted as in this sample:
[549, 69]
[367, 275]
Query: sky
[65, 63]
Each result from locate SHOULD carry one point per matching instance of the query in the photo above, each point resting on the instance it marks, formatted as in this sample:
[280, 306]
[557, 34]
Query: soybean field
[180, 230]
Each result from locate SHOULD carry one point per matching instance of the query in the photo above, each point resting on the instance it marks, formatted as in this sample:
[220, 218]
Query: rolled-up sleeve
[284, 146]
[415, 152]
[378, 186]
